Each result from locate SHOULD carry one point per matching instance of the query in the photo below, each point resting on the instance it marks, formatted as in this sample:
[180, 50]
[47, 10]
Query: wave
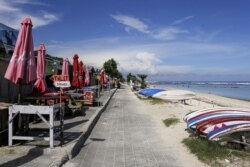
[229, 83]
[232, 83]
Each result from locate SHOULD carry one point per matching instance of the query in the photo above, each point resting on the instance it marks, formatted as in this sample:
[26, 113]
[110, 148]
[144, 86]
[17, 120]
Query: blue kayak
[150, 91]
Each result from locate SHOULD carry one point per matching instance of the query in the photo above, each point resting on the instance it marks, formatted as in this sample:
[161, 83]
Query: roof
[8, 37]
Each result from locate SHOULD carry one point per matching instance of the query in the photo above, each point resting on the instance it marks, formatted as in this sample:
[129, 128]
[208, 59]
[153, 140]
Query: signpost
[61, 81]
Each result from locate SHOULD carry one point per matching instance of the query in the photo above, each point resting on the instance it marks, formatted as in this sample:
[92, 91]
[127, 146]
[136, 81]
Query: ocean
[237, 90]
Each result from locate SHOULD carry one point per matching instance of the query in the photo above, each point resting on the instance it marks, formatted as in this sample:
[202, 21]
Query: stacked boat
[167, 95]
[216, 123]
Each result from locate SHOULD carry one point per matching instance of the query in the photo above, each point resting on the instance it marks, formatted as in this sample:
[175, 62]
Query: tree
[131, 77]
[110, 68]
[143, 77]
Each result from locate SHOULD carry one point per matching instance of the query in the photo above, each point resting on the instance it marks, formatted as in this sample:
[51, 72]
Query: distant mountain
[8, 37]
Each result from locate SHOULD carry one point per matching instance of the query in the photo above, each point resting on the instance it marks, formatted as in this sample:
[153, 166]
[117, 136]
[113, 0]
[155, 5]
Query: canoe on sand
[174, 95]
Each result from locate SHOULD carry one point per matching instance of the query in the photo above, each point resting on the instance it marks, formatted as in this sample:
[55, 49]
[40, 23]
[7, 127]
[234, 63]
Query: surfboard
[174, 95]
[150, 91]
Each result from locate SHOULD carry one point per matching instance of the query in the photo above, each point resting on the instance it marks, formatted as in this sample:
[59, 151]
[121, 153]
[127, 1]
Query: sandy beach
[174, 135]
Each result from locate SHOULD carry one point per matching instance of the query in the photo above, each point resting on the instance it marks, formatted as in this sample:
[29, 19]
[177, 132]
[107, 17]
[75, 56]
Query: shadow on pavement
[31, 155]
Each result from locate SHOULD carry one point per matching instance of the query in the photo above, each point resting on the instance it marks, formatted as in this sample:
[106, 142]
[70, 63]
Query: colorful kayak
[200, 127]
[202, 118]
[198, 113]
[216, 123]
[218, 133]
[210, 128]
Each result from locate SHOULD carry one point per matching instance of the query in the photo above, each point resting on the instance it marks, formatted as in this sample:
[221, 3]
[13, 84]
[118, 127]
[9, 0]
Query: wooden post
[10, 127]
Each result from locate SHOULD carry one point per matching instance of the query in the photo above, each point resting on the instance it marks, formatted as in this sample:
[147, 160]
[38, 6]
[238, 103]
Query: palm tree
[143, 77]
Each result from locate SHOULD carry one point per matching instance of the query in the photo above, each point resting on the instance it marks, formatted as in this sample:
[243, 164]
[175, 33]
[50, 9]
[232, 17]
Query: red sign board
[61, 81]
[60, 78]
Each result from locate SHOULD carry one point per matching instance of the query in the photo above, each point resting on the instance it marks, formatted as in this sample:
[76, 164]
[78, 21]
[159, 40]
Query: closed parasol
[87, 77]
[40, 83]
[65, 67]
[75, 80]
[103, 78]
[21, 68]
[81, 76]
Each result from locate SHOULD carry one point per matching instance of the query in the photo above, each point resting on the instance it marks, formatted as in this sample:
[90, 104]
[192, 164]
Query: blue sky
[166, 39]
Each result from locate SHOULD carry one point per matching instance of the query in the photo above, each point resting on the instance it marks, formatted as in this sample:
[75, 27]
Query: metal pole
[61, 118]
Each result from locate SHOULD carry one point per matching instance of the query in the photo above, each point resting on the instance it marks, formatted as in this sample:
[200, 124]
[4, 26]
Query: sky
[169, 40]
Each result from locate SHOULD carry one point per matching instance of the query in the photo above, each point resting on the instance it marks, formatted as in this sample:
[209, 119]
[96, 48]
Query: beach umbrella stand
[21, 69]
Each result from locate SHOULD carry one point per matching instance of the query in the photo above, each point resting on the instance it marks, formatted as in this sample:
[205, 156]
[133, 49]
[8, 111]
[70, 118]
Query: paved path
[38, 153]
[125, 136]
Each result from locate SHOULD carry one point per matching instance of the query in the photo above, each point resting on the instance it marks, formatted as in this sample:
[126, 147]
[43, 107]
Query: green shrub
[170, 121]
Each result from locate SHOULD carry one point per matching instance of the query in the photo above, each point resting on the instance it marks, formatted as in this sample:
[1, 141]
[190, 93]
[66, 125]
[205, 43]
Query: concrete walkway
[76, 130]
[125, 136]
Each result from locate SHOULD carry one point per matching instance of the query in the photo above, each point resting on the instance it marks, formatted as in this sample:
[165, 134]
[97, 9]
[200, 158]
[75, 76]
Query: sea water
[238, 90]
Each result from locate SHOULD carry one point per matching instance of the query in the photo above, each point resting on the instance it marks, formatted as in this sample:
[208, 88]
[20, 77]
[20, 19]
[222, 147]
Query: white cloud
[182, 20]
[7, 7]
[30, 2]
[44, 19]
[131, 22]
[174, 69]
[155, 59]
[201, 36]
[141, 62]
[168, 33]
[11, 14]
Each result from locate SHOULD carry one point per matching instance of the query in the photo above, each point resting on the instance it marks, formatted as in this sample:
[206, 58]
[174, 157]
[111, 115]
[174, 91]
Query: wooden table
[42, 99]
[39, 110]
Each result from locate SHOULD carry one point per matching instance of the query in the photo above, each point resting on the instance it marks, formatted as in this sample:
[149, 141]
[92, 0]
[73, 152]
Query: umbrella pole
[61, 117]
[19, 96]
[19, 100]
[98, 93]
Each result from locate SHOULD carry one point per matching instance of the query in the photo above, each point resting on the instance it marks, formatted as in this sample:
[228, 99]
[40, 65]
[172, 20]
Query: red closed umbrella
[22, 68]
[65, 67]
[87, 78]
[40, 83]
[75, 80]
[81, 72]
[103, 78]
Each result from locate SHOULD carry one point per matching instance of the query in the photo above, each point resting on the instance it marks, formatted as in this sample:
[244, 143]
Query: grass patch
[170, 121]
[212, 153]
